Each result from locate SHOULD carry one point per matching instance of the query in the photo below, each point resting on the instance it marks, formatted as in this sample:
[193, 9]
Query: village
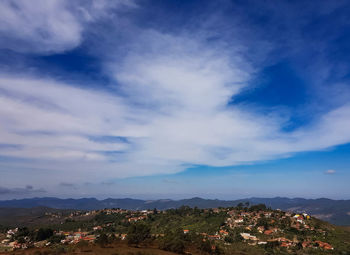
[271, 227]
[8, 241]
[257, 227]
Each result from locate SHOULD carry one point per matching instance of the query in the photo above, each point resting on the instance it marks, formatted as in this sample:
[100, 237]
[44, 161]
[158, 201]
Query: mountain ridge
[333, 211]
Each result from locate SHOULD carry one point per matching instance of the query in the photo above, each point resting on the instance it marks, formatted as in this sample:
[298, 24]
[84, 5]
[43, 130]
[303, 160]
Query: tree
[23, 232]
[272, 245]
[228, 239]
[174, 241]
[138, 233]
[21, 240]
[176, 245]
[43, 234]
[102, 240]
[112, 238]
[263, 222]
[285, 223]
[299, 246]
[237, 237]
[205, 246]
[56, 238]
[259, 207]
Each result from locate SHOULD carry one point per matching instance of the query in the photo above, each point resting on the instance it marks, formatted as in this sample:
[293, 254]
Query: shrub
[138, 233]
[43, 234]
[102, 240]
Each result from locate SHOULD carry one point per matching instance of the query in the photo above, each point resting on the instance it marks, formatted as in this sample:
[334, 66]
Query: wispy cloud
[166, 130]
[49, 26]
[167, 107]
[330, 171]
[28, 190]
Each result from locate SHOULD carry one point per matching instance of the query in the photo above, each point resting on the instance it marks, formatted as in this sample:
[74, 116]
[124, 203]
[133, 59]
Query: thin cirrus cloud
[50, 26]
[168, 107]
[166, 130]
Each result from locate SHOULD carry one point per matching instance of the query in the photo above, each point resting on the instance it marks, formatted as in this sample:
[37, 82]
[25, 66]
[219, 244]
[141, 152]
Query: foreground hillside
[116, 248]
[334, 211]
[234, 230]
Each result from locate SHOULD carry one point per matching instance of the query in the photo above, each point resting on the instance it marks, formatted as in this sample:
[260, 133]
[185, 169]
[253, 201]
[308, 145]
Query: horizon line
[160, 199]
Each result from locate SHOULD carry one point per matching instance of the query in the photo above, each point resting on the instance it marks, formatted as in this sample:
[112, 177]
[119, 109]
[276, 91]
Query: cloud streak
[175, 115]
[50, 26]
[28, 190]
[168, 107]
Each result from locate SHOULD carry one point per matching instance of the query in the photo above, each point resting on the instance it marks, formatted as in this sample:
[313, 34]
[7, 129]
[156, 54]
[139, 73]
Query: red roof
[268, 232]
[324, 245]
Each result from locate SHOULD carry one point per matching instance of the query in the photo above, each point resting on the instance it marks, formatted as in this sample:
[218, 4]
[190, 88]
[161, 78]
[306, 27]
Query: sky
[174, 99]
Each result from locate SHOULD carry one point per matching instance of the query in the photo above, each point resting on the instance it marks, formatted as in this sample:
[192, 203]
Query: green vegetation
[174, 240]
[43, 234]
[138, 233]
[102, 240]
[242, 230]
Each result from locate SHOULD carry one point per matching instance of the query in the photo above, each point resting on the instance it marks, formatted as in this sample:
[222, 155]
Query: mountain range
[334, 211]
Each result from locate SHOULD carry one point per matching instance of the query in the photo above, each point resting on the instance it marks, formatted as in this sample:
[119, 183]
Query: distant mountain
[333, 211]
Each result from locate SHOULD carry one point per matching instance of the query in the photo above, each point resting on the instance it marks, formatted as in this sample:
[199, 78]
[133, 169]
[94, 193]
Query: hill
[243, 230]
[333, 211]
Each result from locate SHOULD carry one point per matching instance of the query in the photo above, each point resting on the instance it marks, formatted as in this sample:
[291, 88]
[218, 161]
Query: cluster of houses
[254, 227]
[217, 236]
[76, 237]
[254, 233]
[69, 237]
[273, 230]
[8, 242]
[134, 216]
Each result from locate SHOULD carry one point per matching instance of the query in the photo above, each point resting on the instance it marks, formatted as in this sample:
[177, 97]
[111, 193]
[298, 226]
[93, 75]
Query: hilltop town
[246, 229]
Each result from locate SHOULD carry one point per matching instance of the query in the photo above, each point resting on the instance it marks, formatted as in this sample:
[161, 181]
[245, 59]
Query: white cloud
[330, 171]
[47, 26]
[48, 123]
[174, 113]
[171, 105]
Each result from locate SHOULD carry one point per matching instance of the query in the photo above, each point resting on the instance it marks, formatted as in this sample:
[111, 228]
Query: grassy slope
[116, 249]
[210, 223]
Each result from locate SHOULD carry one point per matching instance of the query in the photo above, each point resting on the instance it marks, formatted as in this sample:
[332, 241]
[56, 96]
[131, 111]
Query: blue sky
[174, 99]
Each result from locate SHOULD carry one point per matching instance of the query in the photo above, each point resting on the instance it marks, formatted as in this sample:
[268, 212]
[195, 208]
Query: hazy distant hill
[333, 211]
[29, 216]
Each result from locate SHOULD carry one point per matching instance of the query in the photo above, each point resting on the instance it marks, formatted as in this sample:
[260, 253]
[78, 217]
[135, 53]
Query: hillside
[245, 230]
[333, 211]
